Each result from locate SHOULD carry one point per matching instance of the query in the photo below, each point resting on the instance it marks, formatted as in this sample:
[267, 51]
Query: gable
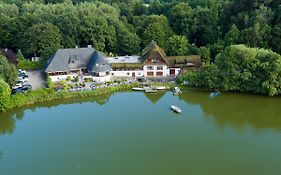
[153, 54]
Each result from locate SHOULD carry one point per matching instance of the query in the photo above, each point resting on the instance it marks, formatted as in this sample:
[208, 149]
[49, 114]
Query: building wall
[61, 77]
[99, 79]
[148, 72]
[176, 70]
[127, 73]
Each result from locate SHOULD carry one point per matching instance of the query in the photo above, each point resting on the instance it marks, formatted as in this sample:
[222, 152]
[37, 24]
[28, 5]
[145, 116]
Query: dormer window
[155, 61]
[73, 59]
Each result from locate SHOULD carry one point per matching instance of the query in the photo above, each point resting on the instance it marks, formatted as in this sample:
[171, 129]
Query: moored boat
[176, 90]
[176, 109]
[138, 89]
[160, 87]
[215, 94]
[150, 90]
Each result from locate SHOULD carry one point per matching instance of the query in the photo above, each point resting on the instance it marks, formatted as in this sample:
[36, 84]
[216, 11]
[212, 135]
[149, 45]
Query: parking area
[36, 79]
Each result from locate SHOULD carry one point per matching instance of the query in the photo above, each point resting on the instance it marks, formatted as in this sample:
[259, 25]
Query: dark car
[18, 90]
[23, 75]
[26, 87]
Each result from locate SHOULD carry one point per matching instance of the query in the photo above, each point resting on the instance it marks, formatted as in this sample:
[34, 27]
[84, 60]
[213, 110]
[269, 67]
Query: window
[159, 73]
[155, 61]
[172, 72]
[149, 67]
[159, 68]
[150, 74]
[128, 73]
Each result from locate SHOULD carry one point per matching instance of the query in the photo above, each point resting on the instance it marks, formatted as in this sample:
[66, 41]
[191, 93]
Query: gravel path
[36, 79]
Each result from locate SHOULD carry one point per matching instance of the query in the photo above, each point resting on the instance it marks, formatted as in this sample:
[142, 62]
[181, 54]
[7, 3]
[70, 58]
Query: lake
[132, 133]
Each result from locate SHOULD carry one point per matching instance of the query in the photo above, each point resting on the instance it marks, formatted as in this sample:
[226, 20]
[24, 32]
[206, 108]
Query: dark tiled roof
[66, 59]
[98, 63]
[10, 55]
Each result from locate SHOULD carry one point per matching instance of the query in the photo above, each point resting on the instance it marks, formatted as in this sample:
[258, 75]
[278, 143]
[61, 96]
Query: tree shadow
[8, 119]
[238, 110]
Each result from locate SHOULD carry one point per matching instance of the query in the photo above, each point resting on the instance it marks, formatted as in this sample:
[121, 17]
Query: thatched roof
[185, 61]
[155, 52]
[125, 65]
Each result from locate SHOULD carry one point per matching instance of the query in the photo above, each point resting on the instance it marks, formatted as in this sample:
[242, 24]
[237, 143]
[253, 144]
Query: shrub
[30, 65]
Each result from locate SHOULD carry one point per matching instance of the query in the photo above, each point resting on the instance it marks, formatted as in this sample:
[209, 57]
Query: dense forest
[125, 26]
[210, 28]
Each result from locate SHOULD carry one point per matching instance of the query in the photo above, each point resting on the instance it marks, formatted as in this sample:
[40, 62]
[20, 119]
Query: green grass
[43, 95]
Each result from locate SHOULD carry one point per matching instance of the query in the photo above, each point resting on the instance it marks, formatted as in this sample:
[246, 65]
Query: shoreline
[47, 95]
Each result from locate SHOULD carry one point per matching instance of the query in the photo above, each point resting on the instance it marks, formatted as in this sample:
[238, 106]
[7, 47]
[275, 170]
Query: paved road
[35, 78]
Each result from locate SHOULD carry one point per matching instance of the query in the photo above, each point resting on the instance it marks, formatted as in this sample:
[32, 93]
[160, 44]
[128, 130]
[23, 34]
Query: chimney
[89, 46]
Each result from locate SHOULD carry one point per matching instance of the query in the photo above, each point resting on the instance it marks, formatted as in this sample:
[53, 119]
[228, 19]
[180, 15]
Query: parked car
[18, 90]
[21, 71]
[23, 75]
[18, 85]
[20, 82]
[26, 87]
[24, 79]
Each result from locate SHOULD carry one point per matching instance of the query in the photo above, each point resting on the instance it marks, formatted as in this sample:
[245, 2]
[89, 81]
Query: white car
[22, 71]
[18, 85]
[24, 79]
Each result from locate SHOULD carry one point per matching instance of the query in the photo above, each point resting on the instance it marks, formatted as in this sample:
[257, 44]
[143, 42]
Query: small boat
[176, 109]
[176, 90]
[215, 94]
[150, 90]
[138, 89]
[160, 87]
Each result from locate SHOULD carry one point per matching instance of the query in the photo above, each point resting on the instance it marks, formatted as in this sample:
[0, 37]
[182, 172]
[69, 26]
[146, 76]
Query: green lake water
[132, 133]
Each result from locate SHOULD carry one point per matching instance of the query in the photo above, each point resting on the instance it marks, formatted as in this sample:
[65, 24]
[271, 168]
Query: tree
[5, 90]
[276, 39]
[96, 31]
[129, 44]
[232, 36]
[180, 18]
[205, 54]
[177, 45]
[204, 27]
[8, 71]
[249, 70]
[20, 55]
[68, 24]
[43, 39]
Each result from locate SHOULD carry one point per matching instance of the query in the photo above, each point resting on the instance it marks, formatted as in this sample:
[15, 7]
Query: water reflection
[238, 110]
[7, 123]
[9, 118]
[229, 109]
[155, 97]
